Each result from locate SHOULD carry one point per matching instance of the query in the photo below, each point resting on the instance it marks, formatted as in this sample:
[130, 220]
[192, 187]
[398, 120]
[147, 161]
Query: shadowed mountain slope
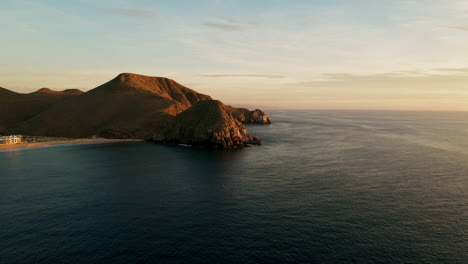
[17, 107]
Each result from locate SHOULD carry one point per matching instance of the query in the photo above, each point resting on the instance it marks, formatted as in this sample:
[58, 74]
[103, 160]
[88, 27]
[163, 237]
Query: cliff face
[137, 106]
[207, 123]
[250, 117]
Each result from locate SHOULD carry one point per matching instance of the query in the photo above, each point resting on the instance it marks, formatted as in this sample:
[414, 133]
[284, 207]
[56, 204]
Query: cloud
[457, 70]
[133, 12]
[307, 22]
[243, 76]
[223, 26]
[230, 24]
[462, 28]
[27, 29]
[339, 77]
[407, 74]
[441, 77]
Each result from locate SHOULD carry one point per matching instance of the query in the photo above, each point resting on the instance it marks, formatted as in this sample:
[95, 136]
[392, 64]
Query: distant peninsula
[130, 106]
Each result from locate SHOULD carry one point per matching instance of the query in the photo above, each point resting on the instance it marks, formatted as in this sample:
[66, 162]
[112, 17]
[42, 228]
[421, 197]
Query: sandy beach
[65, 142]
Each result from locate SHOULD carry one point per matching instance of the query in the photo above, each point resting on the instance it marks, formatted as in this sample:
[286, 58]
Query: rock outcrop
[206, 123]
[133, 106]
[250, 117]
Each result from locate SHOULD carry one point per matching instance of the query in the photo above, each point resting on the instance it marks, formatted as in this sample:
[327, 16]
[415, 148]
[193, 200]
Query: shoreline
[65, 142]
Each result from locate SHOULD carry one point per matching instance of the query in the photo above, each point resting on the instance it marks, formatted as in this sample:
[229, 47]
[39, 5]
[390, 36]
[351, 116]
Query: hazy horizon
[390, 55]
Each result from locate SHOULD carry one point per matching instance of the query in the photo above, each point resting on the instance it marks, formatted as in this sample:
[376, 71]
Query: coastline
[65, 142]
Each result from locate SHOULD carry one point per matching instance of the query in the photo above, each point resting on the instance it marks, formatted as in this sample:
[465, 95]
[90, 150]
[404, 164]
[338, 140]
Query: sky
[296, 54]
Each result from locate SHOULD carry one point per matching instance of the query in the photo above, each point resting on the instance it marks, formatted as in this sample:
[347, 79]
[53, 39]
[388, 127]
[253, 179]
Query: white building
[13, 139]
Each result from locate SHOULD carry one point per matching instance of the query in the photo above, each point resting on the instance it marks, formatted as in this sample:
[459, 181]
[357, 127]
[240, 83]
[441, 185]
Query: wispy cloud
[456, 70]
[307, 22]
[134, 12]
[230, 24]
[27, 29]
[243, 76]
[407, 74]
[339, 77]
[223, 26]
[391, 80]
[462, 28]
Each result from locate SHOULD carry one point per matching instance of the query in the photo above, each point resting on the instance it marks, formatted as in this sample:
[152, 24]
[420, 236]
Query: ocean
[326, 187]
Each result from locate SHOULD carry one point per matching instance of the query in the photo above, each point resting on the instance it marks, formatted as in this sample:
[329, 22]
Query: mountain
[137, 106]
[67, 92]
[17, 107]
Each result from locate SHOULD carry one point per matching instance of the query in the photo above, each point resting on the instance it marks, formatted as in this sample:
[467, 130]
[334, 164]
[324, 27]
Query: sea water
[326, 187]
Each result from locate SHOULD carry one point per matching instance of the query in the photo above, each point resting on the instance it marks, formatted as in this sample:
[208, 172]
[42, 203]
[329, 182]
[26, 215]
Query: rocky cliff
[206, 123]
[250, 117]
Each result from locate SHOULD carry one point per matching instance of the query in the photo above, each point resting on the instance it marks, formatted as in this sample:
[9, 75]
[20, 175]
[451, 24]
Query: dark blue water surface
[326, 187]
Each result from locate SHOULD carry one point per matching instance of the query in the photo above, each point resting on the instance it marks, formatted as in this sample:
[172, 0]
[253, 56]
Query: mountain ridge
[138, 106]
[63, 92]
